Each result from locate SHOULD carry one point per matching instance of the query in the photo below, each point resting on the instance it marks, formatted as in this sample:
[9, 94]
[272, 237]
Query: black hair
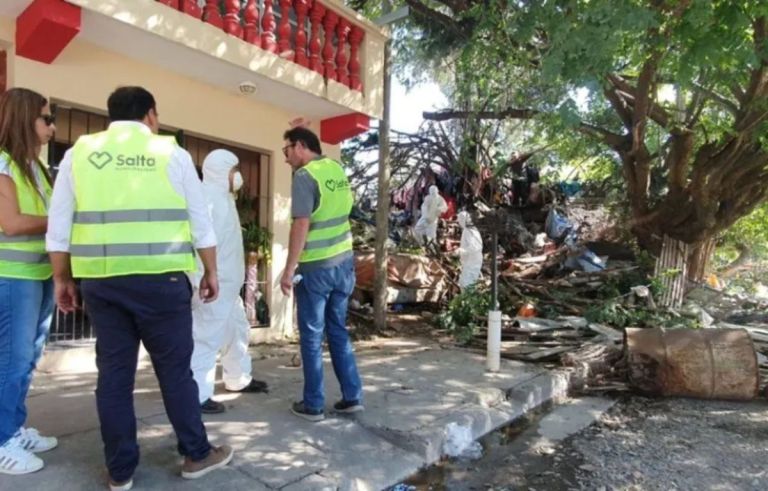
[130, 104]
[305, 136]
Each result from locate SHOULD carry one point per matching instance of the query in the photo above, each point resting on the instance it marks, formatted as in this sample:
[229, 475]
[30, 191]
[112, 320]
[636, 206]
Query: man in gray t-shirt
[305, 198]
[320, 271]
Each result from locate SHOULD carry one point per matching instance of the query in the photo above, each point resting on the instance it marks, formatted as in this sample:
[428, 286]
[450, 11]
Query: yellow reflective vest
[329, 230]
[23, 256]
[128, 218]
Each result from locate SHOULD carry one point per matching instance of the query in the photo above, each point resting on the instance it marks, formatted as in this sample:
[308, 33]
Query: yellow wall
[84, 75]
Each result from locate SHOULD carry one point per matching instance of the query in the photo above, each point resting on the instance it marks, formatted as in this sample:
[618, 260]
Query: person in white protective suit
[222, 325]
[433, 206]
[470, 251]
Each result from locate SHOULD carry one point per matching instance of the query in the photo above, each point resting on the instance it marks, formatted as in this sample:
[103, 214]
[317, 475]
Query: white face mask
[237, 182]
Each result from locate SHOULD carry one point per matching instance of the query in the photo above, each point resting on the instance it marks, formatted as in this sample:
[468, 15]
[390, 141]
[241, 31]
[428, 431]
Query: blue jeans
[321, 297]
[26, 308]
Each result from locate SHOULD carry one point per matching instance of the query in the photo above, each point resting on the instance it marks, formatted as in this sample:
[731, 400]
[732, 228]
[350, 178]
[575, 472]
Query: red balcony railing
[305, 32]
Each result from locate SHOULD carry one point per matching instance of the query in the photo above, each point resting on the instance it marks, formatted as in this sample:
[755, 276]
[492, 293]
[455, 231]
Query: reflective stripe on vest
[129, 219]
[20, 238]
[24, 256]
[113, 250]
[329, 230]
[124, 216]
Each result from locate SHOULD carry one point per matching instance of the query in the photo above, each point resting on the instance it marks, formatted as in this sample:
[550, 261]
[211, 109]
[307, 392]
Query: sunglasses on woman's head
[48, 119]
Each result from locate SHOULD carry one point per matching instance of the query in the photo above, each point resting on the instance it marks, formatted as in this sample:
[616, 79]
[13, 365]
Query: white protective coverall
[470, 251]
[222, 324]
[433, 206]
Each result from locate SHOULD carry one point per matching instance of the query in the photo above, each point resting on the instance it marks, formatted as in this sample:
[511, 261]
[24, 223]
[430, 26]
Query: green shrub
[465, 313]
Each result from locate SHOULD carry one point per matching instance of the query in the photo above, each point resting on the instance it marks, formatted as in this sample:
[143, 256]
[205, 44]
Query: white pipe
[493, 357]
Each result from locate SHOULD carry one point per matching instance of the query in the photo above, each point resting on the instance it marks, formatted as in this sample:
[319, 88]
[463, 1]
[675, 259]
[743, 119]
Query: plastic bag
[459, 443]
[470, 252]
[557, 225]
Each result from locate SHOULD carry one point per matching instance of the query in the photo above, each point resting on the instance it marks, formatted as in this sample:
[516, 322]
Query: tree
[705, 143]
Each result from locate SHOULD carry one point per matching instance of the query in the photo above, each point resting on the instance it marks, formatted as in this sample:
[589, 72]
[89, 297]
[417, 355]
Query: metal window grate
[69, 328]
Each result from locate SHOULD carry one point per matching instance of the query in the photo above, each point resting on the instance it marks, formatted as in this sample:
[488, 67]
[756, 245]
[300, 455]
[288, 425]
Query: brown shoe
[217, 458]
[121, 485]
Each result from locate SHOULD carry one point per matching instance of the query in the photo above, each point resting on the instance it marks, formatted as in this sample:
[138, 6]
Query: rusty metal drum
[703, 363]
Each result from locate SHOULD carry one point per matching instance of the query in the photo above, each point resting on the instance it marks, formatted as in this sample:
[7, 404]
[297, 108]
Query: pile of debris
[535, 339]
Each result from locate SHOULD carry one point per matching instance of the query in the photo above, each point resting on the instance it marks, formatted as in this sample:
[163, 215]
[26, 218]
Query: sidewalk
[412, 391]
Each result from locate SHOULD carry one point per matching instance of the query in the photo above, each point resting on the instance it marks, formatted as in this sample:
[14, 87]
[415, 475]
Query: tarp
[403, 270]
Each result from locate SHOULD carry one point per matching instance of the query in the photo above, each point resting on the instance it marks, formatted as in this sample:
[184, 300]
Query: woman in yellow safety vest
[26, 289]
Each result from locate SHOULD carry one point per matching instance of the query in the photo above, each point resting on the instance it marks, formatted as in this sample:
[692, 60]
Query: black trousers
[154, 310]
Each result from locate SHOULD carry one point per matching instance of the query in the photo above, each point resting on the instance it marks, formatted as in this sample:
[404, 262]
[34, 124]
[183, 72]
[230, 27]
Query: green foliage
[462, 318]
[746, 242]
[610, 307]
[751, 231]
[615, 313]
[621, 285]
[257, 239]
[554, 59]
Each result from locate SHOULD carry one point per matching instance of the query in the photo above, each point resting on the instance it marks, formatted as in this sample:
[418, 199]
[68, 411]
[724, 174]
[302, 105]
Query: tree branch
[457, 6]
[642, 101]
[619, 105]
[437, 16]
[613, 140]
[655, 112]
[720, 99]
[448, 114]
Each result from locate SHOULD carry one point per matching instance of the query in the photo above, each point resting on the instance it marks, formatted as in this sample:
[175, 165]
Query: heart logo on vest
[99, 159]
[336, 185]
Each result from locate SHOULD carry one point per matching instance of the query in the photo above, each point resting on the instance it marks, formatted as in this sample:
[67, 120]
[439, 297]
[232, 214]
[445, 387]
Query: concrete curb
[487, 415]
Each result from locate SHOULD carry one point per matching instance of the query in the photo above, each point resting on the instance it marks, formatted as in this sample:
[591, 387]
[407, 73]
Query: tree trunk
[699, 259]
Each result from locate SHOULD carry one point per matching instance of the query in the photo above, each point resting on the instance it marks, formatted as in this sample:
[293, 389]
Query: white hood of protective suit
[433, 206]
[226, 222]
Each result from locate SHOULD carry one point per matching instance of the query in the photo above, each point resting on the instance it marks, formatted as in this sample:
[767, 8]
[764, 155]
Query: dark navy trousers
[154, 310]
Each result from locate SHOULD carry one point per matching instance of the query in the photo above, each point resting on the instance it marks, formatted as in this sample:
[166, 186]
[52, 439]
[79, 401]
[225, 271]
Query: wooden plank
[608, 332]
[546, 353]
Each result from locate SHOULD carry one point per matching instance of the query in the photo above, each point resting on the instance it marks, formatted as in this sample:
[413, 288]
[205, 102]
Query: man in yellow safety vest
[129, 214]
[320, 269]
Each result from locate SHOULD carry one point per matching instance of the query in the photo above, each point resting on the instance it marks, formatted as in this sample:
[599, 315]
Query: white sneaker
[31, 440]
[16, 460]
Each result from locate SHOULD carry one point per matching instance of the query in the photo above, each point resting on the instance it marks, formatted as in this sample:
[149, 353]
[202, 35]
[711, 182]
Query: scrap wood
[580, 277]
[562, 333]
[541, 355]
[548, 298]
[594, 353]
[756, 333]
[530, 268]
[534, 324]
[531, 259]
[593, 362]
[531, 340]
[573, 321]
[613, 386]
[360, 315]
[607, 332]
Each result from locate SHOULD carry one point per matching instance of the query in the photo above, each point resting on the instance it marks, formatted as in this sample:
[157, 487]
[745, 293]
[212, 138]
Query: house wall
[85, 74]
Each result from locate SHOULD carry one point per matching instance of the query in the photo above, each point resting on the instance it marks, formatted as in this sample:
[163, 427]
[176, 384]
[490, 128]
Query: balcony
[315, 59]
